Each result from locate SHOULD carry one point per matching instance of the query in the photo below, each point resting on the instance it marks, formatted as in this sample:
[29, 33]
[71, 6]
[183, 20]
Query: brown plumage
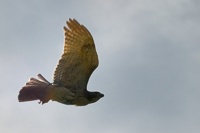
[73, 71]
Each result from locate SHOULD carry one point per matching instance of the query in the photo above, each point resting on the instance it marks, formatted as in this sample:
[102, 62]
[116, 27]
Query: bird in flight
[72, 73]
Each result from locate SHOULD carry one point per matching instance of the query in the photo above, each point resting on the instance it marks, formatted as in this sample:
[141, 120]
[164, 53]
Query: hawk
[72, 73]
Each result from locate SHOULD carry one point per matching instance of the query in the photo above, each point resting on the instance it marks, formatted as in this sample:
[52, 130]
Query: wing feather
[79, 59]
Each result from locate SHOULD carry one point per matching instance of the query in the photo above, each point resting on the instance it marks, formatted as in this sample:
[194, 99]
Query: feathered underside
[79, 59]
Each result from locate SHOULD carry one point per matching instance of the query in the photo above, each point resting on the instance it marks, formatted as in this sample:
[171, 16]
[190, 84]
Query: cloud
[149, 65]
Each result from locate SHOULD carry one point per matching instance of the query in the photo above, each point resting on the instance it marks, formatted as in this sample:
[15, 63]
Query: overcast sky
[149, 67]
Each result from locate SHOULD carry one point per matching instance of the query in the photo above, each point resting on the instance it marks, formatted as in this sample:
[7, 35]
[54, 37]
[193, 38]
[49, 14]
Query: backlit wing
[79, 59]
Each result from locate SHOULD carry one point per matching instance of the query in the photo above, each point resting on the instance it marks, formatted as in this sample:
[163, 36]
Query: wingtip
[71, 19]
[72, 22]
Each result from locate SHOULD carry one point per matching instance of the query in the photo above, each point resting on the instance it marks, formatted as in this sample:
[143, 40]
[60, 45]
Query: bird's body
[71, 76]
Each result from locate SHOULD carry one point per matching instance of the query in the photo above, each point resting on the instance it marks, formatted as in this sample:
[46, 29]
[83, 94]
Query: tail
[36, 90]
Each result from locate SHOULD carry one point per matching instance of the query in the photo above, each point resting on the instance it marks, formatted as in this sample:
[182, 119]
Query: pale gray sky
[149, 65]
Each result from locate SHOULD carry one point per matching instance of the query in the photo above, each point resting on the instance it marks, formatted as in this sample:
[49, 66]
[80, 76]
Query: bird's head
[94, 96]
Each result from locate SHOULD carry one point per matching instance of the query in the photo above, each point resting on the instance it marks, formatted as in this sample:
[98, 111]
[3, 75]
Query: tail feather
[35, 90]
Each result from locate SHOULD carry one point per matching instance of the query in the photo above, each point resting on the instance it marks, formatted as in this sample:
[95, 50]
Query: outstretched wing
[79, 59]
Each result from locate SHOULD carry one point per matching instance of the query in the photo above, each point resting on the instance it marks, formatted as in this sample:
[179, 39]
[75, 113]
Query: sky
[149, 56]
